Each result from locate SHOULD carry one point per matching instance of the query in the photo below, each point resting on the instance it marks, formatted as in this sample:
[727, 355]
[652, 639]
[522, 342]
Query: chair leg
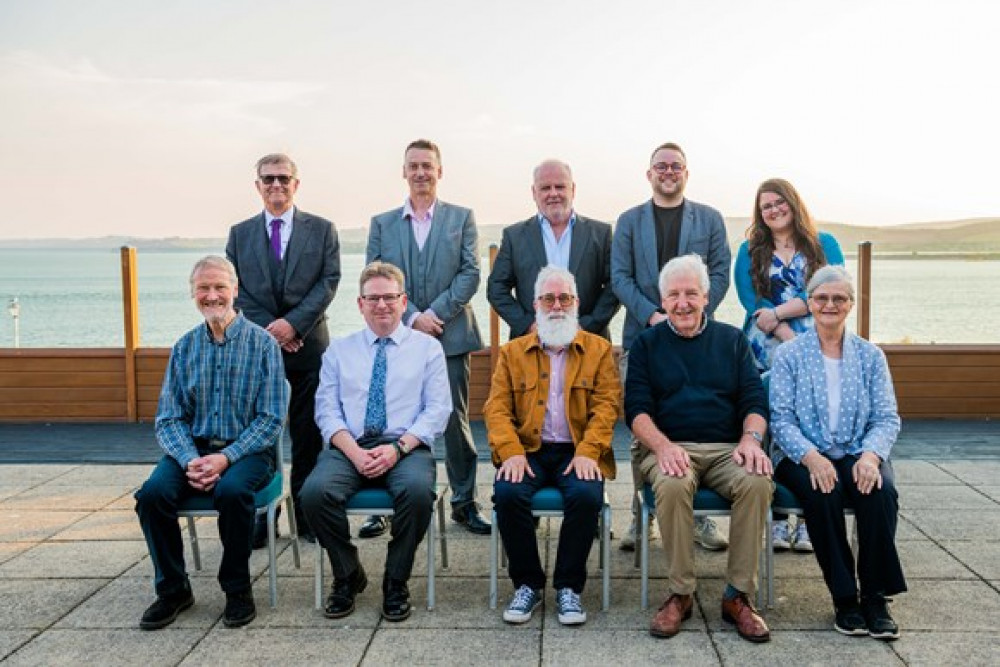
[494, 556]
[318, 576]
[431, 540]
[195, 550]
[272, 552]
[606, 554]
[293, 529]
[769, 550]
[643, 519]
[442, 532]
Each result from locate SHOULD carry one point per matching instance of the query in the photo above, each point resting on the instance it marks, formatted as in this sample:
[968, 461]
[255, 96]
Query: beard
[557, 330]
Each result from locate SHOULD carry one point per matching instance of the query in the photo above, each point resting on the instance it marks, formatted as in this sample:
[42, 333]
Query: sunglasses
[268, 179]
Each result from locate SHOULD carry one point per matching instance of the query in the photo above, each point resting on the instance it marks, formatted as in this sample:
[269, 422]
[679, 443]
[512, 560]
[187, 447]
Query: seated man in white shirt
[383, 399]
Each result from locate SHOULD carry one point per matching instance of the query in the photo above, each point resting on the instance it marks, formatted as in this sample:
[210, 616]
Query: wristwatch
[756, 436]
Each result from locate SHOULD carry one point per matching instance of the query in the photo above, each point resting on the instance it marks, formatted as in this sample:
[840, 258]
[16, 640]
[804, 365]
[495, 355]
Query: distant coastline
[953, 239]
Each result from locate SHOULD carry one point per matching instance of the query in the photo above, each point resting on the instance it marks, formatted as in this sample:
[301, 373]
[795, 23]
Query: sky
[144, 118]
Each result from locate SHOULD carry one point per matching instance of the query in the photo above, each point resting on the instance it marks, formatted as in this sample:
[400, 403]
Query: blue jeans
[582, 501]
[156, 503]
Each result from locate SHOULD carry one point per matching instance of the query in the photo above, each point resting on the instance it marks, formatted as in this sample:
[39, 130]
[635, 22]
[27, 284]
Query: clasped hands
[285, 334]
[204, 471]
[515, 467]
[376, 461]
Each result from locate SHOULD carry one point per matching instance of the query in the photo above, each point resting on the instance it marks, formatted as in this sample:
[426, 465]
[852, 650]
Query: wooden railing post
[494, 319]
[864, 289]
[130, 309]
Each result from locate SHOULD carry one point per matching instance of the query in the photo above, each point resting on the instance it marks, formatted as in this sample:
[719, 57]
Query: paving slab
[61, 497]
[804, 648]
[932, 496]
[11, 640]
[252, 645]
[34, 525]
[108, 648]
[990, 490]
[74, 559]
[38, 603]
[980, 556]
[128, 477]
[974, 472]
[403, 646]
[956, 606]
[933, 649]
[912, 471]
[575, 647]
[929, 560]
[111, 525]
[943, 525]
[10, 549]
[30, 474]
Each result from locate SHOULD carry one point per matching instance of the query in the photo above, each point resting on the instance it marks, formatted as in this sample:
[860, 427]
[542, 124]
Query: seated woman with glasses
[834, 418]
[782, 251]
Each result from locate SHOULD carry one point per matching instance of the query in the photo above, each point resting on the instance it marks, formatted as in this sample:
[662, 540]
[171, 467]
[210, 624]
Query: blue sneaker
[525, 601]
[570, 610]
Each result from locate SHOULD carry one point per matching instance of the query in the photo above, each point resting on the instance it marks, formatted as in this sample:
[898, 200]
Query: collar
[408, 211]
[542, 220]
[536, 343]
[231, 331]
[397, 336]
[704, 323]
[286, 217]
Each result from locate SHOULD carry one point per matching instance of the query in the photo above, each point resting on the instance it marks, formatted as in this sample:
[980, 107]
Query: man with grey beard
[566, 444]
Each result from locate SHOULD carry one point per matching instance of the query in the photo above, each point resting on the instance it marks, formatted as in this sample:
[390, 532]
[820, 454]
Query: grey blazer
[511, 285]
[635, 268]
[312, 273]
[451, 273]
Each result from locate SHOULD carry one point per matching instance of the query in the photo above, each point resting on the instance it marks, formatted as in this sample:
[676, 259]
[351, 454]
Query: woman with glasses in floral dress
[782, 251]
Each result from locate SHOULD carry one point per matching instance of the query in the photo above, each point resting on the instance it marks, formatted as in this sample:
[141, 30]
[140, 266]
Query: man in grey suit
[288, 265]
[436, 245]
[557, 236]
[647, 237]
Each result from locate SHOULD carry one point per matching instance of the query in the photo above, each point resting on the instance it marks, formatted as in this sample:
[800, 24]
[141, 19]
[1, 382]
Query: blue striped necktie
[375, 419]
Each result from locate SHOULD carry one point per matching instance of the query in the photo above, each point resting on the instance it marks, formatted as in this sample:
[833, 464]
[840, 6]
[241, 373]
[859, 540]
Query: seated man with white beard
[550, 415]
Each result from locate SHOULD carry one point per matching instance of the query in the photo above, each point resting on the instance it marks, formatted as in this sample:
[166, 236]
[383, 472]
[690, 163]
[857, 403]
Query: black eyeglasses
[565, 300]
[667, 167]
[373, 299]
[268, 179]
[765, 208]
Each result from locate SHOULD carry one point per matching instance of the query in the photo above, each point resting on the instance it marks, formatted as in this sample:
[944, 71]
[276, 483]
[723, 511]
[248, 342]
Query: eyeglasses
[373, 299]
[667, 167]
[836, 299]
[565, 300]
[268, 179]
[766, 208]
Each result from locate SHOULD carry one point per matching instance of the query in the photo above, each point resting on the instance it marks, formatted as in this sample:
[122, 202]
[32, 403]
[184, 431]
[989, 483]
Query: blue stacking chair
[547, 503]
[706, 503]
[378, 502]
[267, 501]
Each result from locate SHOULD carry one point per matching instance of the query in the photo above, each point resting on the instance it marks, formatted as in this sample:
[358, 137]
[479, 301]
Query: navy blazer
[312, 273]
[452, 269]
[511, 285]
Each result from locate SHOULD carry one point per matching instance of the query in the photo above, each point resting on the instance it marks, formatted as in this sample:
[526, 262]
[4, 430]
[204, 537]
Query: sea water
[72, 298]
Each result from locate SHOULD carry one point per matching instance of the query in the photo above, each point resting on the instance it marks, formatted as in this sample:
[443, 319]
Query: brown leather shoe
[667, 622]
[748, 622]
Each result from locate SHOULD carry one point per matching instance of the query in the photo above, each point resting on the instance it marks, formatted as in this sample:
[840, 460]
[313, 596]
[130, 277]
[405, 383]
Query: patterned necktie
[276, 238]
[375, 420]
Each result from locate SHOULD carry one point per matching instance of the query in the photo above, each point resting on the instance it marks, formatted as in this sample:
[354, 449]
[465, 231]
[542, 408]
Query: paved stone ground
[75, 577]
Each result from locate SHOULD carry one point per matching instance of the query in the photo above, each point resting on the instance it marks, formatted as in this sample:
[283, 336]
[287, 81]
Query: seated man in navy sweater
[696, 404]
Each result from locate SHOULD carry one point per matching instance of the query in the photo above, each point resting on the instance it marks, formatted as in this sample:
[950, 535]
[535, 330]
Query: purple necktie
[276, 238]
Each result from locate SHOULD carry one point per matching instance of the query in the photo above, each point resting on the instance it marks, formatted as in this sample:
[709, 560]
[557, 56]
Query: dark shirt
[668, 231]
[694, 389]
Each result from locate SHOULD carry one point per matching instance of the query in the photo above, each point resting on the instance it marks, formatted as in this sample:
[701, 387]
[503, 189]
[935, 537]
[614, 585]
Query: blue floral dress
[786, 282]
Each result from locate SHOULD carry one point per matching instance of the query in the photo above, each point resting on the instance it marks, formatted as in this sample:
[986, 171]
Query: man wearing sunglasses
[556, 236]
[647, 237]
[288, 263]
[550, 417]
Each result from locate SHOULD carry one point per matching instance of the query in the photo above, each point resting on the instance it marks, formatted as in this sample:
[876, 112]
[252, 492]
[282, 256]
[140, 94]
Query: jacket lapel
[301, 228]
[262, 252]
[647, 236]
[439, 224]
[578, 244]
[537, 245]
[687, 222]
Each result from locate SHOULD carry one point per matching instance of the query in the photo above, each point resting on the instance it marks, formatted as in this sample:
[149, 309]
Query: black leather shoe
[164, 611]
[260, 530]
[395, 601]
[848, 620]
[469, 517]
[240, 609]
[340, 603]
[374, 526]
[879, 621]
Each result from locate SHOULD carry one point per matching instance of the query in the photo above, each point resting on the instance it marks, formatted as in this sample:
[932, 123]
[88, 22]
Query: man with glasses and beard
[550, 416]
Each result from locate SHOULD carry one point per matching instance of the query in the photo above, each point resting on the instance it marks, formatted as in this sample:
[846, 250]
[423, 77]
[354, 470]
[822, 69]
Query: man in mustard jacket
[550, 417]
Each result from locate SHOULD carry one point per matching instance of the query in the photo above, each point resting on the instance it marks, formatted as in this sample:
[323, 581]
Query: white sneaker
[781, 535]
[570, 609]
[707, 534]
[525, 601]
[800, 540]
[632, 535]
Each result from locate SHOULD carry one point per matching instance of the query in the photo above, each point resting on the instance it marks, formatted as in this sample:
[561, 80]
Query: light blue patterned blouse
[869, 420]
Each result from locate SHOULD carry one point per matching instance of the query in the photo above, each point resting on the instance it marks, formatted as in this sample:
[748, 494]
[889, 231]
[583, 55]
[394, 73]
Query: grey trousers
[459, 448]
[335, 479]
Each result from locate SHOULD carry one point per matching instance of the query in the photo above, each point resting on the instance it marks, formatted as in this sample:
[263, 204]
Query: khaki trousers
[712, 466]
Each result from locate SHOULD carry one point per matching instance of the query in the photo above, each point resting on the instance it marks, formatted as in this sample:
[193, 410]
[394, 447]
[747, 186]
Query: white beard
[557, 331]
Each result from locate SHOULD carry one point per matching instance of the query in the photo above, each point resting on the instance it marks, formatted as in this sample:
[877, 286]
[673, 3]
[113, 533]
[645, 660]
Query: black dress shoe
[396, 600]
[240, 609]
[469, 517]
[164, 611]
[341, 600]
[260, 530]
[374, 526]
